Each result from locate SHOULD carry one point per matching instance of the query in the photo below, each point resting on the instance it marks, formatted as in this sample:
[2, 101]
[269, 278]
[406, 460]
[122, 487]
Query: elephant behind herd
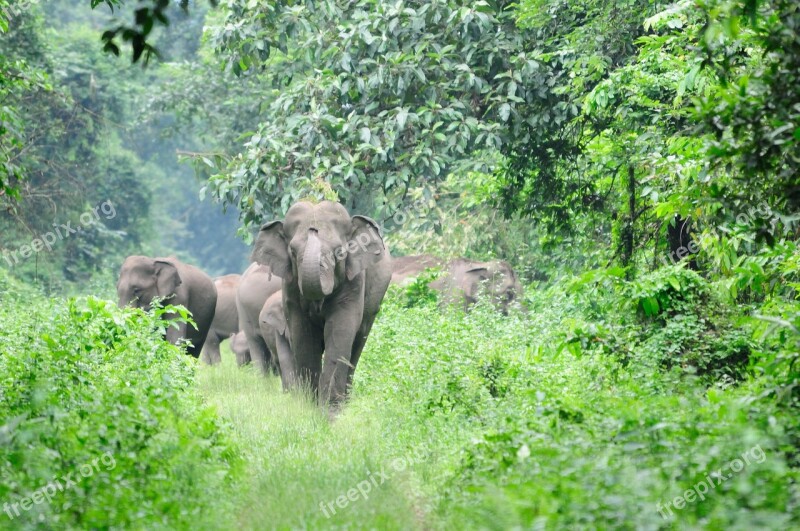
[463, 281]
[305, 306]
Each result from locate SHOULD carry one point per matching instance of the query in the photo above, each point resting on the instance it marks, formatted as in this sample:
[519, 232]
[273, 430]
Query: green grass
[507, 430]
[296, 459]
[568, 417]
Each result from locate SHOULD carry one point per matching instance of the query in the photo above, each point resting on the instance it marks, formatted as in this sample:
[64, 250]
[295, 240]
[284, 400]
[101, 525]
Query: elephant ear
[476, 275]
[167, 278]
[272, 249]
[365, 246]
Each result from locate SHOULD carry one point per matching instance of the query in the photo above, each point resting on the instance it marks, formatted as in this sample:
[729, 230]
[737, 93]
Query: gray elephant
[226, 317]
[275, 332]
[335, 271]
[142, 279]
[257, 284]
[240, 349]
[405, 268]
[465, 280]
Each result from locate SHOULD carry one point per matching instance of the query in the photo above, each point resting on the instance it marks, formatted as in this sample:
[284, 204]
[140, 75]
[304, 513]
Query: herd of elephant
[305, 306]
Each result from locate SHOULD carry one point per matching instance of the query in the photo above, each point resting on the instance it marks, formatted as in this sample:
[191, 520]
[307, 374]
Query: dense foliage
[636, 161]
[94, 402]
[75, 136]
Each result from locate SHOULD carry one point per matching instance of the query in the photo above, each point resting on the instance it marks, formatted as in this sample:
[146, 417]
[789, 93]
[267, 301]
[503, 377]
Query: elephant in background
[465, 280]
[335, 269]
[226, 318]
[405, 268]
[143, 279]
[275, 332]
[256, 285]
[240, 349]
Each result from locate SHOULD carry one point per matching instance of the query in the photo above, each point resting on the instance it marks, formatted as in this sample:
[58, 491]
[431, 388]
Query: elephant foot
[333, 411]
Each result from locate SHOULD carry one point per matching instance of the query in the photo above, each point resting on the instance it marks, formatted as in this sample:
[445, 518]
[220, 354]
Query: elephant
[240, 349]
[405, 268]
[466, 279]
[226, 318]
[275, 332]
[257, 284]
[142, 279]
[336, 270]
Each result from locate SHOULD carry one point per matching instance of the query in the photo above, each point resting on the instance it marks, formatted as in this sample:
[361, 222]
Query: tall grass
[487, 422]
[581, 414]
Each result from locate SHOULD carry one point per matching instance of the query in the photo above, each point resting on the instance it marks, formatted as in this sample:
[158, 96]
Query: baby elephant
[143, 279]
[274, 330]
[240, 348]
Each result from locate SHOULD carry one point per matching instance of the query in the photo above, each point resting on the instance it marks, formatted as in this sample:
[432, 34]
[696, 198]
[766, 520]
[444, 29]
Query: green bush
[91, 390]
[524, 432]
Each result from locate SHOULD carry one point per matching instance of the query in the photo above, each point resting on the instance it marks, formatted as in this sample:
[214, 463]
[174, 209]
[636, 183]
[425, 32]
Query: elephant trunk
[316, 276]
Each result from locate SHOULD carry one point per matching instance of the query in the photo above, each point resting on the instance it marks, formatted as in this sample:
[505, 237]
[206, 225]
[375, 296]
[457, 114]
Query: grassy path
[298, 465]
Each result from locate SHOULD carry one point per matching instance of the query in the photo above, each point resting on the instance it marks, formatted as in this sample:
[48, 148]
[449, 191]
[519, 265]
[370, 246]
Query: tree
[372, 99]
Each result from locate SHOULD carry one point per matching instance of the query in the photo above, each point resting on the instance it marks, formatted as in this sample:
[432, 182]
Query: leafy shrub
[419, 292]
[669, 291]
[83, 384]
[522, 431]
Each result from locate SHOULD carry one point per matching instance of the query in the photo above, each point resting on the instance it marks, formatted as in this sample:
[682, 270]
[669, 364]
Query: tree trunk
[627, 233]
[681, 244]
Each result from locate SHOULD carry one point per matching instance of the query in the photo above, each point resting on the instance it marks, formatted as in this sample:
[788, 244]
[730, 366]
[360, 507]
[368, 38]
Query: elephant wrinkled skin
[335, 269]
[143, 279]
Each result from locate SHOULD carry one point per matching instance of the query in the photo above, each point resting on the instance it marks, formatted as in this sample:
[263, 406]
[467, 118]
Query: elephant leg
[358, 346]
[176, 332]
[212, 354]
[339, 340]
[286, 361]
[306, 345]
[259, 353]
[274, 362]
[196, 347]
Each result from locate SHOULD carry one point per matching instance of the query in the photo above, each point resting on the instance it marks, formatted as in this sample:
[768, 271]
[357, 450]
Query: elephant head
[320, 247]
[143, 279]
[240, 348]
[496, 279]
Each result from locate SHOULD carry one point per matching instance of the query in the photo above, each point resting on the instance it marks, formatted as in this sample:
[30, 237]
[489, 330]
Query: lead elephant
[226, 317]
[466, 280]
[143, 279]
[275, 332]
[405, 268]
[335, 269]
[255, 287]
